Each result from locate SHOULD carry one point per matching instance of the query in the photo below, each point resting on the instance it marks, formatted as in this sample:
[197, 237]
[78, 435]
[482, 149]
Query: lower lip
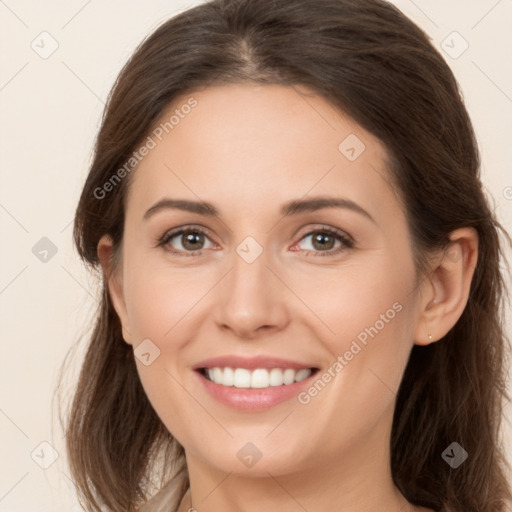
[253, 399]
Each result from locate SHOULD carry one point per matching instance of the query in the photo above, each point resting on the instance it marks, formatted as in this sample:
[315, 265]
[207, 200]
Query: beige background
[50, 112]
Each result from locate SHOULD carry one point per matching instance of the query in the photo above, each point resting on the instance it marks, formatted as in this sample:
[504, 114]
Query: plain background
[50, 112]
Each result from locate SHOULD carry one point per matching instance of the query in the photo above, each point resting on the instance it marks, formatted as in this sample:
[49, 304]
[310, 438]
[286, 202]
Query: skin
[249, 148]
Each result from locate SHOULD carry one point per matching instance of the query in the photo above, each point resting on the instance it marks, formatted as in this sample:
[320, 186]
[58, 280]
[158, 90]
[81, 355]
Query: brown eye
[192, 240]
[189, 240]
[323, 242]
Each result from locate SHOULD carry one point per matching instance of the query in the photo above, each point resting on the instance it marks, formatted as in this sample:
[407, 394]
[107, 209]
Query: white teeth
[289, 376]
[276, 377]
[228, 378]
[217, 375]
[302, 374]
[258, 378]
[241, 379]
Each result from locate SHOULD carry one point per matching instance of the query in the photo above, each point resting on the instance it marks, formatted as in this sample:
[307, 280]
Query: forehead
[249, 144]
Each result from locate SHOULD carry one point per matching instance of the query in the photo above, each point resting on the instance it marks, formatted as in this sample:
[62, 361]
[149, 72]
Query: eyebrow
[294, 207]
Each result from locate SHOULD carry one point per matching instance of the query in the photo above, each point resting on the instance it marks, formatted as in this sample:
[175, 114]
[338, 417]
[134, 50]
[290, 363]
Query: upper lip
[233, 361]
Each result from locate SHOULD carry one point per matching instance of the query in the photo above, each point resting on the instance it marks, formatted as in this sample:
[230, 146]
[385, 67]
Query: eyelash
[347, 242]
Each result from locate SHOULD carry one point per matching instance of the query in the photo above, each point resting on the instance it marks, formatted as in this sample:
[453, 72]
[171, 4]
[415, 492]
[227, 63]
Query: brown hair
[370, 61]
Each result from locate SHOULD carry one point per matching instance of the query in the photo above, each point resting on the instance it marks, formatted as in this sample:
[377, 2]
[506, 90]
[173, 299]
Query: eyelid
[324, 227]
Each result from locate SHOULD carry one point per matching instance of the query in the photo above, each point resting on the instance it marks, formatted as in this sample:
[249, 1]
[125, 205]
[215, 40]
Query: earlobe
[113, 283]
[446, 289]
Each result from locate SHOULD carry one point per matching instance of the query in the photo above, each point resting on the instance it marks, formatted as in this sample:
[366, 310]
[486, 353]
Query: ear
[113, 280]
[446, 290]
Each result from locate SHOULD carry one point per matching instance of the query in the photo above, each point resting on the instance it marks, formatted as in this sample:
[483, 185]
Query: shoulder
[168, 498]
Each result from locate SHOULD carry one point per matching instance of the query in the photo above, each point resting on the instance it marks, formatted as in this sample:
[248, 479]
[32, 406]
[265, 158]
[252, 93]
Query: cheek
[374, 339]
[362, 301]
[163, 305]
[161, 309]
[370, 315]
[160, 300]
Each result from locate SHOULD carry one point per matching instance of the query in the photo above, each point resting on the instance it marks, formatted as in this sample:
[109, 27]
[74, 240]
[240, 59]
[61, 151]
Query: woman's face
[274, 287]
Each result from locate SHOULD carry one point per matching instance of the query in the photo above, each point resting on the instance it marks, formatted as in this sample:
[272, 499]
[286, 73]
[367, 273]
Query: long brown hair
[370, 61]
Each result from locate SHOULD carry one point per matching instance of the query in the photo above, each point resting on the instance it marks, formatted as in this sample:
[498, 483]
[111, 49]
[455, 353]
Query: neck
[358, 480]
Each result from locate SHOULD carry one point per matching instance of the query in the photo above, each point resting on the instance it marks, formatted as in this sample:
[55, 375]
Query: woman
[301, 273]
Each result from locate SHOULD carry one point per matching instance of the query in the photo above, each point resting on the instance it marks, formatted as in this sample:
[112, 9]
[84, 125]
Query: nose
[252, 300]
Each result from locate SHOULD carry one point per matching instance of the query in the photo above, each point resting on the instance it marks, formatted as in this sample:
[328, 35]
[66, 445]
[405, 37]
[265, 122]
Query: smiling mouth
[258, 378]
